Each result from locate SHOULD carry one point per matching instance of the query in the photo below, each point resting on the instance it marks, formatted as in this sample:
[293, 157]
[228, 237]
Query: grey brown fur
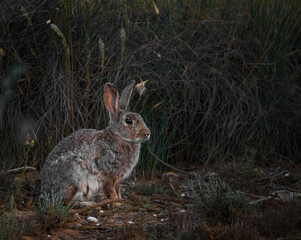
[89, 161]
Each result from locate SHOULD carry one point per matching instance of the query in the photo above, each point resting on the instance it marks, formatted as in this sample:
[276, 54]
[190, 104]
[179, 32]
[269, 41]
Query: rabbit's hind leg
[93, 186]
[80, 194]
[70, 193]
[78, 197]
[80, 200]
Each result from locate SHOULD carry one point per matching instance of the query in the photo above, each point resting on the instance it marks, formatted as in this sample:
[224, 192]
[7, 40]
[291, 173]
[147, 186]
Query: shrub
[215, 199]
[51, 210]
[10, 228]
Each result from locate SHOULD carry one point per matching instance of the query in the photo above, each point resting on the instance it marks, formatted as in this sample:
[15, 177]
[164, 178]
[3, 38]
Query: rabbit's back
[68, 150]
[63, 168]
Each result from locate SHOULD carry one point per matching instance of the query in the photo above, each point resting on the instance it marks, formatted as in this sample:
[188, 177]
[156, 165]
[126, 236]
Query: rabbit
[90, 161]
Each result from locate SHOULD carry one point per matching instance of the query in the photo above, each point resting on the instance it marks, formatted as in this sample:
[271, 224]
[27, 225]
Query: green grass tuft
[215, 199]
[10, 227]
[51, 210]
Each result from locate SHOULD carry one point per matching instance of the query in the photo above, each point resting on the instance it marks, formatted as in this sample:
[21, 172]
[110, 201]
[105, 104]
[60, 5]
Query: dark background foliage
[223, 76]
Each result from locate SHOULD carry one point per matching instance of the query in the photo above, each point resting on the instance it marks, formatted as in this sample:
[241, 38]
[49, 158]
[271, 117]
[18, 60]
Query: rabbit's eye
[129, 121]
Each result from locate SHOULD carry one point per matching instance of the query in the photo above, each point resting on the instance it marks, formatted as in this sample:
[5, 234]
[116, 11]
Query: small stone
[155, 215]
[130, 222]
[92, 219]
[183, 195]
[101, 211]
[78, 225]
[183, 210]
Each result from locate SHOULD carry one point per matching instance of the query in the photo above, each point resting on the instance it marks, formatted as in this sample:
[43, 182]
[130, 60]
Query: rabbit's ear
[111, 98]
[126, 95]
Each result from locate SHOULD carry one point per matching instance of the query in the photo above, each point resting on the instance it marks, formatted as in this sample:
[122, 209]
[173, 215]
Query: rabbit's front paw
[116, 204]
[111, 189]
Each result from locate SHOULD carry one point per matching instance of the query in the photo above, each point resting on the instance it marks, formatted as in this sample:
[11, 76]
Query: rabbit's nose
[144, 134]
[147, 133]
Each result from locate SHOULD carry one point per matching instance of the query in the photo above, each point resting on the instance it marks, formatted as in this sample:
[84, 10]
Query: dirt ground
[164, 209]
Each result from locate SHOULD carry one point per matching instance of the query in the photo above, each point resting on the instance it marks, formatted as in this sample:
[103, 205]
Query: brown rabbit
[89, 161]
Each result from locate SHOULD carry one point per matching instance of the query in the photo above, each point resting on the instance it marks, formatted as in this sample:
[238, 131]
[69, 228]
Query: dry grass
[223, 78]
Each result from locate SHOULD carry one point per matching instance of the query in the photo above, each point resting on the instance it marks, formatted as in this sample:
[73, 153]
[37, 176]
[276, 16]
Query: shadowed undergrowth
[222, 75]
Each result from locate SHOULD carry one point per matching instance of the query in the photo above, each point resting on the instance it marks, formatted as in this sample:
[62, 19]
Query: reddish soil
[160, 209]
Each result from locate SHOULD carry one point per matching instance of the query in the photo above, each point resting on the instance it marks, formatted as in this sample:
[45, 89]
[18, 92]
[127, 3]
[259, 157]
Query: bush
[10, 228]
[223, 75]
[51, 210]
[215, 199]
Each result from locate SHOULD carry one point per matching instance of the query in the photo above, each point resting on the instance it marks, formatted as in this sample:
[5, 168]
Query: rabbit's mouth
[144, 135]
[143, 139]
[136, 140]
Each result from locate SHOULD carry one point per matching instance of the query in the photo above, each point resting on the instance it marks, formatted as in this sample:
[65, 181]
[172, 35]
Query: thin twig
[17, 170]
[285, 188]
[170, 166]
[97, 205]
[170, 199]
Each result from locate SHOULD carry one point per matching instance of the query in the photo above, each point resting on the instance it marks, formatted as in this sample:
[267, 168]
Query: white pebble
[183, 210]
[162, 220]
[101, 211]
[155, 215]
[92, 219]
[183, 195]
[130, 222]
